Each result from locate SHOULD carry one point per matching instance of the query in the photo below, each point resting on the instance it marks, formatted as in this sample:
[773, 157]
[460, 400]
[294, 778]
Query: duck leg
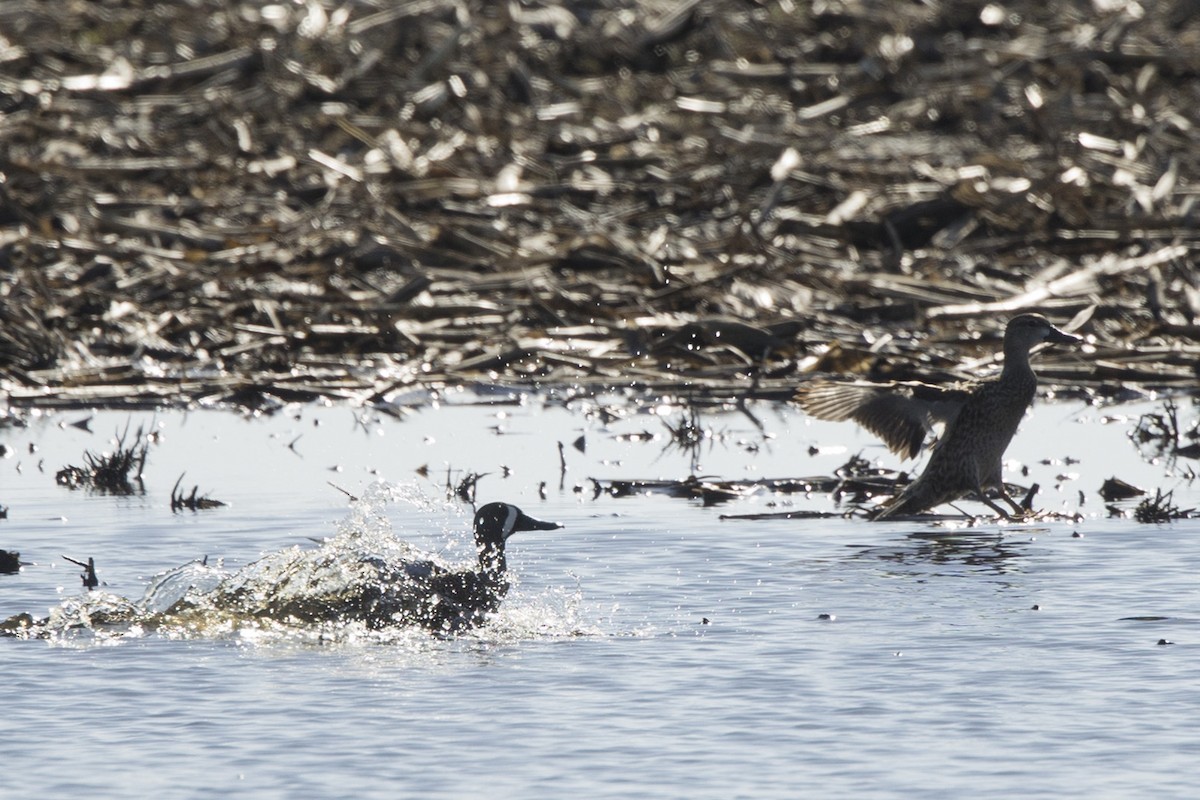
[982, 493]
[1020, 510]
[991, 504]
[995, 478]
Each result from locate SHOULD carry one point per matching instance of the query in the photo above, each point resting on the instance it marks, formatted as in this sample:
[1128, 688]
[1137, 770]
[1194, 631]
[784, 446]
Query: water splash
[363, 584]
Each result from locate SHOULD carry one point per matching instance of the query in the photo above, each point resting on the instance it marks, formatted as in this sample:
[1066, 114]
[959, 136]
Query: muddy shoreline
[231, 203]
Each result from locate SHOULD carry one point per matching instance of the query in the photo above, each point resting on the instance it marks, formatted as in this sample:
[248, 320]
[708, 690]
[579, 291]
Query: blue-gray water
[935, 677]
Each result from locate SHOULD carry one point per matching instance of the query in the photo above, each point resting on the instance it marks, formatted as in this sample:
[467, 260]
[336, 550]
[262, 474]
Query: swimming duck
[463, 598]
[347, 579]
[331, 583]
[980, 420]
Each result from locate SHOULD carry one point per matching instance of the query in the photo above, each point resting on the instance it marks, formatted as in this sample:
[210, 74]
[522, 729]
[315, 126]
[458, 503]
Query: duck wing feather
[900, 413]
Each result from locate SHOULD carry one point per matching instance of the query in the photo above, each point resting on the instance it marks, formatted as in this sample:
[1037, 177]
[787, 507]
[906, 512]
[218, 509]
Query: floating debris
[793, 514]
[191, 502]
[688, 435]
[90, 581]
[1161, 508]
[112, 473]
[10, 562]
[1115, 489]
[1165, 436]
[465, 489]
[859, 481]
[712, 491]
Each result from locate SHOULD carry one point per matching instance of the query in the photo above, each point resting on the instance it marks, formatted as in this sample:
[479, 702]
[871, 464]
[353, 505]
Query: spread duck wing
[901, 413]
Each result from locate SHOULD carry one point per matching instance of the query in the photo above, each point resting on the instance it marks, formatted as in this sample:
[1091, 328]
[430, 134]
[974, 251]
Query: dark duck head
[494, 523]
[1026, 331]
[461, 599]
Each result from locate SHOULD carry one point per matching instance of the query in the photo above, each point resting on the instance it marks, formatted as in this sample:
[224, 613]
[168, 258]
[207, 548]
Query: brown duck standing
[980, 420]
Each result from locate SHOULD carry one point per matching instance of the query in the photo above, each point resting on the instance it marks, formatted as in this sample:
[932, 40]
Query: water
[648, 648]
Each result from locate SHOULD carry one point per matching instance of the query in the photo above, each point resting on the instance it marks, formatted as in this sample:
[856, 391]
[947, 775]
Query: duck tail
[913, 500]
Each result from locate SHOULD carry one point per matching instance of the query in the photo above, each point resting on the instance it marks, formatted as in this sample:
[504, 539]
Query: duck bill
[524, 522]
[1062, 337]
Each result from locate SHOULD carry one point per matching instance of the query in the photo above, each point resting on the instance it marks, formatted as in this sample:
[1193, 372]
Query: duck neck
[493, 565]
[1016, 363]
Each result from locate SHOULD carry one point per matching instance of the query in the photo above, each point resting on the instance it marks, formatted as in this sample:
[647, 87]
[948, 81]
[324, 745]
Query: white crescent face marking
[510, 522]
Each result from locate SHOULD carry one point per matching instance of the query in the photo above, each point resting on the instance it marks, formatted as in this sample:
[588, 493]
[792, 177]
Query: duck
[457, 599]
[348, 579]
[980, 419]
[329, 585]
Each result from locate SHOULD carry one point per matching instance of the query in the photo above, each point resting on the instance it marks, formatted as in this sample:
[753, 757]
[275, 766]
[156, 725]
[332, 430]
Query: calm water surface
[840, 658]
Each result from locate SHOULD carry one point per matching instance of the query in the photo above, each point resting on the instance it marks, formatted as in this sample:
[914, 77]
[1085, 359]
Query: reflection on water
[982, 551]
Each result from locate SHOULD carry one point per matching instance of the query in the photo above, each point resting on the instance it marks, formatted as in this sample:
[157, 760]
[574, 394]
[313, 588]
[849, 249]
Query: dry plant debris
[1161, 508]
[254, 203]
[118, 472]
[10, 562]
[1116, 489]
[88, 576]
[1163, 435]
[192, 502]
